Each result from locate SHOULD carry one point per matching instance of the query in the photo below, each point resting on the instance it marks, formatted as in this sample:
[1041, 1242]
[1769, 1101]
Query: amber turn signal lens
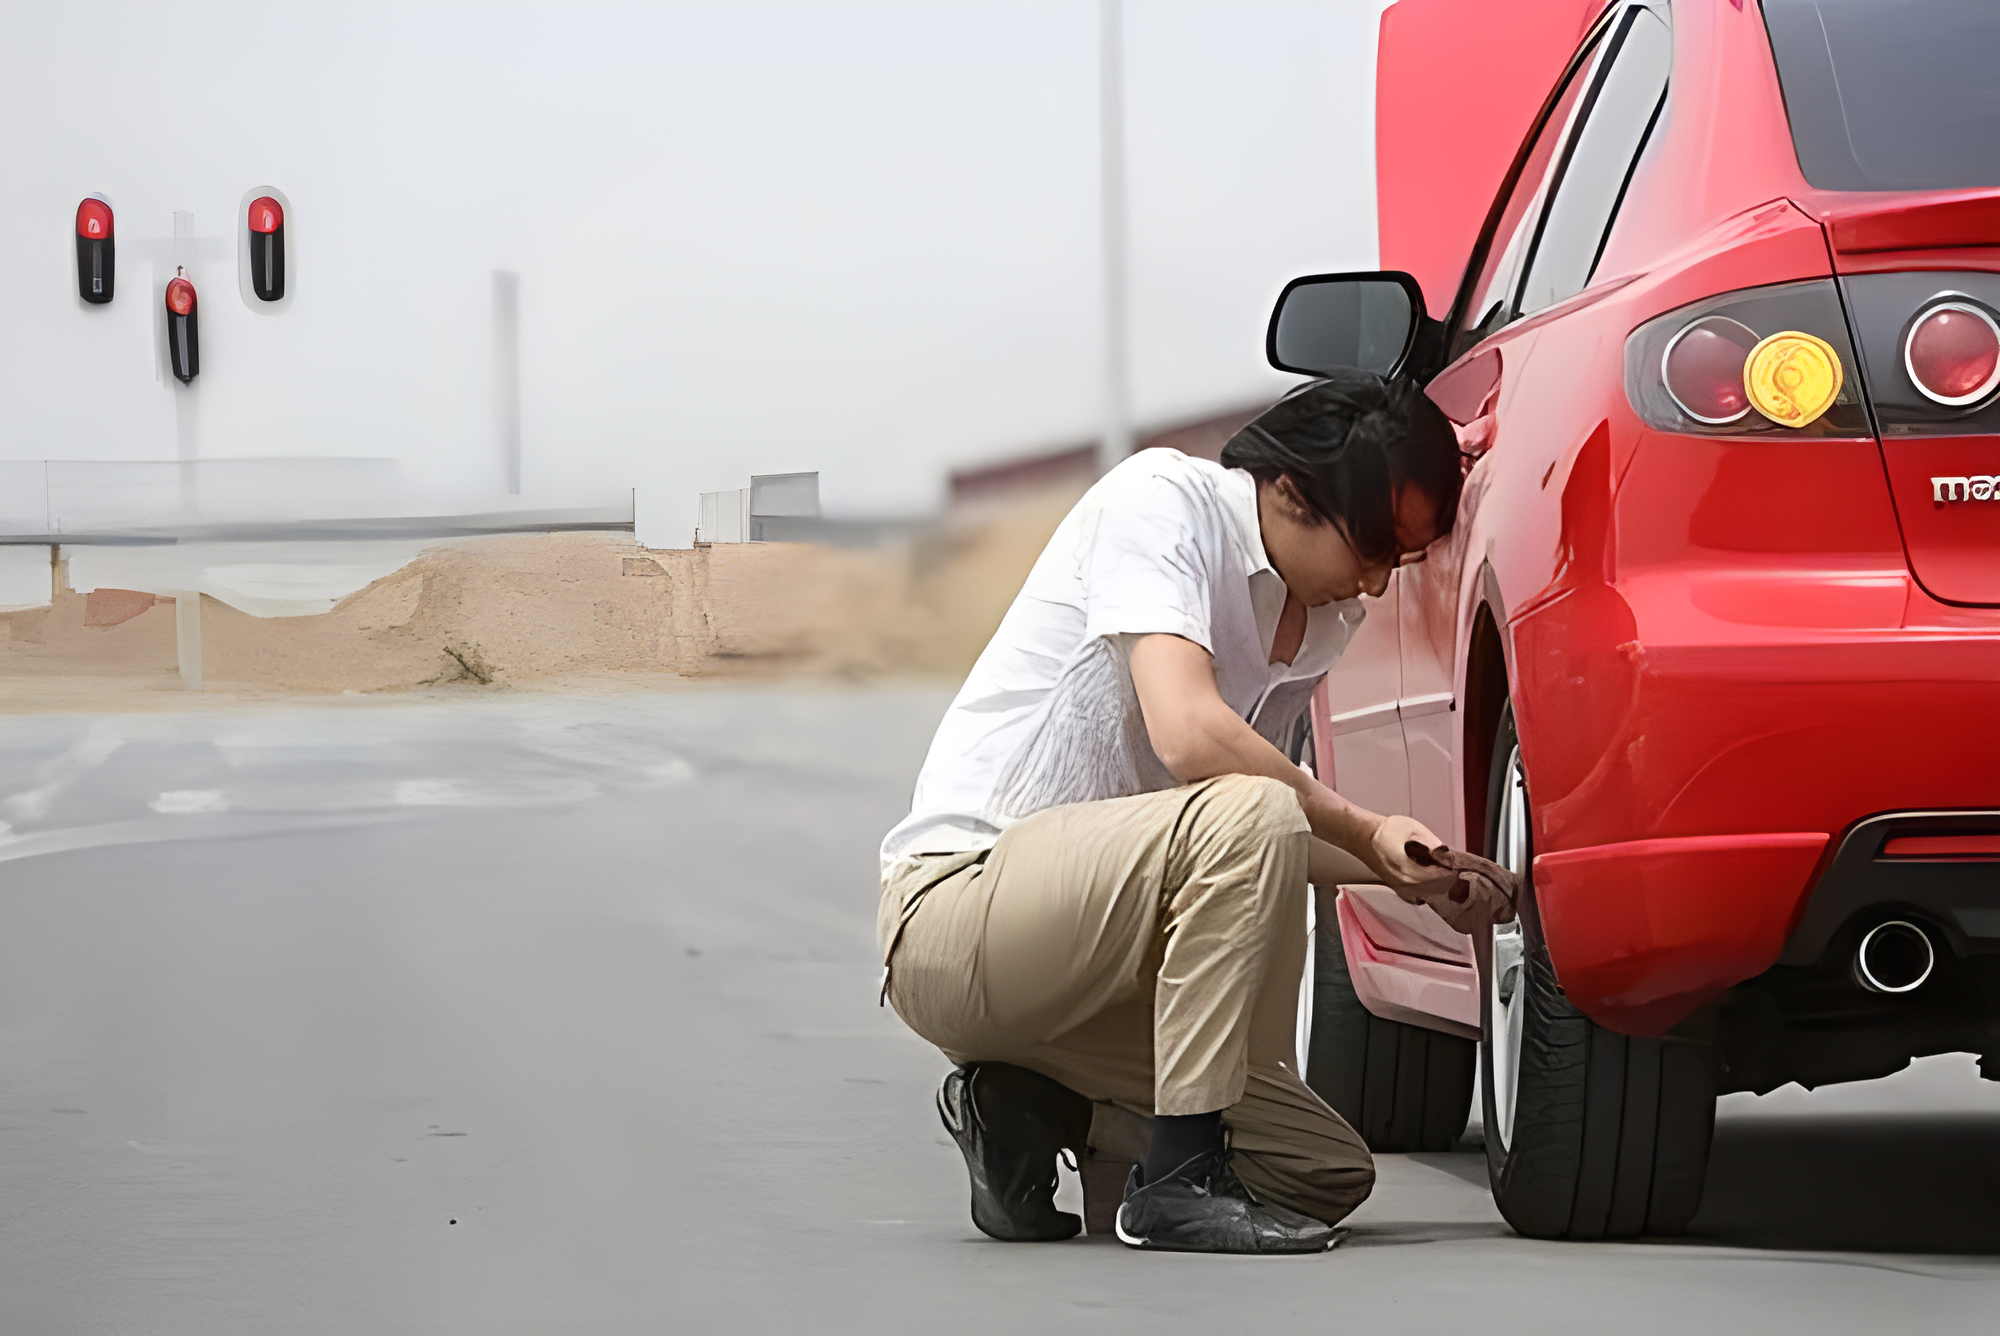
[1953, 354]
[1703, 369]
[1792, 378]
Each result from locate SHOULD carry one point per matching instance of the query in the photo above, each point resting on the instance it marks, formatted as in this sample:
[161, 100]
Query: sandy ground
[537, 1012]
[553, 610]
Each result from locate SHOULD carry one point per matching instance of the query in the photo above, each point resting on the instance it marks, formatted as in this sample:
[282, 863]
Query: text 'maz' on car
[1714, 648]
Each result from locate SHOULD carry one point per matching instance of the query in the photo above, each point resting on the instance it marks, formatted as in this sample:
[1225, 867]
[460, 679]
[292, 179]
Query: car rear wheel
[1589, 1134]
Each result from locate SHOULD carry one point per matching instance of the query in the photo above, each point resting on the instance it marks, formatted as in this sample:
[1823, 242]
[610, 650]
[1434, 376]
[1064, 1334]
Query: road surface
[533, 1013]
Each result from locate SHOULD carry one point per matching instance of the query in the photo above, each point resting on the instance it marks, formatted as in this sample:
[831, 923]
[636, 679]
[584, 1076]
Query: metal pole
[507, 374]
[1116, 441]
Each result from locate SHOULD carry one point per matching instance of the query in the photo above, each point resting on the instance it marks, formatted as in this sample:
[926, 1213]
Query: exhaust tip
[1895, 957]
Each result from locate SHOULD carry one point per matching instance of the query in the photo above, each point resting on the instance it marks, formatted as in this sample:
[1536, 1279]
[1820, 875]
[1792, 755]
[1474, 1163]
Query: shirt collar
[1239, 494]
[1328, 628]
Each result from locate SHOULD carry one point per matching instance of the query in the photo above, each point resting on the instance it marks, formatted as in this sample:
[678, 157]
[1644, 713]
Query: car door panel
[1428, 707]
[1360, 719]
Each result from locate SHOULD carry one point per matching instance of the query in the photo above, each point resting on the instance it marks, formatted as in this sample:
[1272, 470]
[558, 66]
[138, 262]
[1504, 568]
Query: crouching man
[1096, 907]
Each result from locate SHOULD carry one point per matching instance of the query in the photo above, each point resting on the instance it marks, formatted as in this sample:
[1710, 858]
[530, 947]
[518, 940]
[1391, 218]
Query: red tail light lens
[180, 296]
[93, 220]
[1953, 353]
[266, 214]
[1703, 369]
[1698, 370]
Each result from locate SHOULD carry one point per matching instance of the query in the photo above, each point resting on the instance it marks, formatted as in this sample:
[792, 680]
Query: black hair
[1348, 442]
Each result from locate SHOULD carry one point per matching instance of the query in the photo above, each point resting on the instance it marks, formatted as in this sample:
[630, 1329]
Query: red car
[1714, 649]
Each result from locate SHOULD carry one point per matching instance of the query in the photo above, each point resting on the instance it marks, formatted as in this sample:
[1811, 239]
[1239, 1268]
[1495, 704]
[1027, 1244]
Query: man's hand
[1410, 880]
[1483, 894]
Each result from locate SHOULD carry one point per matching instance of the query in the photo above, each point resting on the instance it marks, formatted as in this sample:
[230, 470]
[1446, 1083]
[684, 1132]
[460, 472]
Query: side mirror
[1367, 320]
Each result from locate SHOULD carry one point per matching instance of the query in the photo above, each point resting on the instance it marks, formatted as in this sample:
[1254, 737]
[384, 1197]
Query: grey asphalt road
[552, 1014]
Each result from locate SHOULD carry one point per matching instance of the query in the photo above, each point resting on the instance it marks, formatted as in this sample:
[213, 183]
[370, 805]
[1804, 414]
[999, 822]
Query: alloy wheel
[1505, 997]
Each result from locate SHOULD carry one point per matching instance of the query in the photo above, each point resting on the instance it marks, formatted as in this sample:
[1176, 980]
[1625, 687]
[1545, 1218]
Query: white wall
[858, 237]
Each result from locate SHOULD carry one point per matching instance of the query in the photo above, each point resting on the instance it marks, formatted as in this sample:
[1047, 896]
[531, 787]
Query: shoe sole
[1338, 1237]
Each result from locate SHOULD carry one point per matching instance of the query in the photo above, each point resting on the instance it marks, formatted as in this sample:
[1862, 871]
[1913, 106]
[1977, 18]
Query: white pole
[507, 374]
[1116, 441]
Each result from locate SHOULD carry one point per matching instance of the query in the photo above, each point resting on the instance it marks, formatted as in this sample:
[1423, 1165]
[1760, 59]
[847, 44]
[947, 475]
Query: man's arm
[1197, 735]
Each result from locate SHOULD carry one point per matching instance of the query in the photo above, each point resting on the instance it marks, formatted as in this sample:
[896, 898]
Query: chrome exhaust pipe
[1895, 957]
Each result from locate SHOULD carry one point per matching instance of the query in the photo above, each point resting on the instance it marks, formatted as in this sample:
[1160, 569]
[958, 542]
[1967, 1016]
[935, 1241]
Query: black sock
[1178, 1138]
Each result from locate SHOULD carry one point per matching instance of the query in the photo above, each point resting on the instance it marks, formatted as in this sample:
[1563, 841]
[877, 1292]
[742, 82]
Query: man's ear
[1288, 491]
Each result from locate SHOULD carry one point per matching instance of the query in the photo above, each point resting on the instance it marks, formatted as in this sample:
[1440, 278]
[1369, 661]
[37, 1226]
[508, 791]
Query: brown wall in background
[1076, 466]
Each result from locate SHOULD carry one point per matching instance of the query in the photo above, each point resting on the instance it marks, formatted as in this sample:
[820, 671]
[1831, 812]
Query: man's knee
[1323, 1181]
[1296, 1151]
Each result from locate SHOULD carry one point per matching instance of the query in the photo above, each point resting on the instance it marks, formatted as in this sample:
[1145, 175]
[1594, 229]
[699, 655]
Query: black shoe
[1203, 1207]
[1010, 1123]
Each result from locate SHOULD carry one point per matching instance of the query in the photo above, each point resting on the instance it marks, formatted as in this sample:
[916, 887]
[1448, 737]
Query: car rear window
[1891, 94]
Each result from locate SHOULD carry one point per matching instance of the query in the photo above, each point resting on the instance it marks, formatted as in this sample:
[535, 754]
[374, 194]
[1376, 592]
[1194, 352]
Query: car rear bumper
[1644, 932]
[1941, 869]
[1694, 738]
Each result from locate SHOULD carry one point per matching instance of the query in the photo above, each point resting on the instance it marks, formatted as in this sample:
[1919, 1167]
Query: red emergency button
[183, 342]
[267, 248]
[95, 255]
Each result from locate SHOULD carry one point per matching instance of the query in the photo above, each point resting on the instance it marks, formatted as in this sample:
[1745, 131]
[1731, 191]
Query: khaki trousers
[1146, 952]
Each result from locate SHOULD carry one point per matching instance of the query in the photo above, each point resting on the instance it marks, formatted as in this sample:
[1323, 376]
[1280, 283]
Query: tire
[1589, 1134]
[1402, 1087]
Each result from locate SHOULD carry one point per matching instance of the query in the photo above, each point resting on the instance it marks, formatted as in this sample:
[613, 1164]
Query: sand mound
[552, 608]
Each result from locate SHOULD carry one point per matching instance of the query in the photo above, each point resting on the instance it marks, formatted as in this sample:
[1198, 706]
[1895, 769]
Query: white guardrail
[85, 500]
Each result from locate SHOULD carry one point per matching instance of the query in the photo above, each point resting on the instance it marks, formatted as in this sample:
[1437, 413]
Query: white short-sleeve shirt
[1162, 543]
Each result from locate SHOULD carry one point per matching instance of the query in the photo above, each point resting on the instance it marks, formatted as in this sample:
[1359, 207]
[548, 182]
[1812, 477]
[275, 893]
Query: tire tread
[1401, 1087]
[1611, 1133]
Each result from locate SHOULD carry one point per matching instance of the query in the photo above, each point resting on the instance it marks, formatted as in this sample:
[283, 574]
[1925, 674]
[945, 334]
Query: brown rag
[1483, 894]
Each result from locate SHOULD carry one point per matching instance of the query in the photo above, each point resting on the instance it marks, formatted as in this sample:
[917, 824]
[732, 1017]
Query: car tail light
[1758, 362]
[1927, 354]
[1930, 350]
[1703, 369]
[1952, 352]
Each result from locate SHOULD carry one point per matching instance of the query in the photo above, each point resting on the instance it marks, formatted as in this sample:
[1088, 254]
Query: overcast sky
[756, 235]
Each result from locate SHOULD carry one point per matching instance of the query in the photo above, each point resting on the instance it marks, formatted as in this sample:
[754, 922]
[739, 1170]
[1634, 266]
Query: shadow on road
[1855, 1183]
